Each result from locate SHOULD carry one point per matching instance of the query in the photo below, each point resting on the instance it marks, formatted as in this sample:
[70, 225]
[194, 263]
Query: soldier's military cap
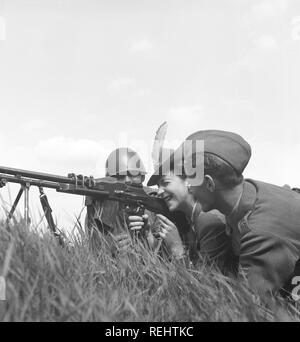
[228, 146]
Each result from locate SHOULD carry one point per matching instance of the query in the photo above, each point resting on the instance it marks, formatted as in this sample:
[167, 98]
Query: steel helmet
[124, 161]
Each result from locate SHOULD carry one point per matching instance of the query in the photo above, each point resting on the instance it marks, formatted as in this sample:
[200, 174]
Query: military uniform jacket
[212, 242]
[265, 233]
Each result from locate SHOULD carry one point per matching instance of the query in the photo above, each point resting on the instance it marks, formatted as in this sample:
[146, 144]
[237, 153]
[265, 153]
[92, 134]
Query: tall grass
[80, 283]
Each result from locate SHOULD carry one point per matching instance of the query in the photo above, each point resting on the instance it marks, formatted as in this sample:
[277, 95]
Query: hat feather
[159, 139]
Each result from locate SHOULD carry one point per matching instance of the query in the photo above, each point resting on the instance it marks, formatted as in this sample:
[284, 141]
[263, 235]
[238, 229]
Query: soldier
[206, 238]
[111, 217]
[264, 219]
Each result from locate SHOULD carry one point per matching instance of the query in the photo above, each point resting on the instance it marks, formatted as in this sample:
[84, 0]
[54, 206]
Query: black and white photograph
[150, 163]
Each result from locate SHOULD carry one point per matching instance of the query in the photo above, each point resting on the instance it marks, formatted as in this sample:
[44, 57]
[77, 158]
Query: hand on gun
[136, 225]
[169, 233]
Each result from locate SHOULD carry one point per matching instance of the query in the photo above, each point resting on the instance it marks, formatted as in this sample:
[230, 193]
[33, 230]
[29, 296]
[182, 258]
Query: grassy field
[48, 283]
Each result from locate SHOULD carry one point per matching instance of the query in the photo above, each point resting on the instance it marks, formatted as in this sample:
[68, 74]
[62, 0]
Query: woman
[207, 237]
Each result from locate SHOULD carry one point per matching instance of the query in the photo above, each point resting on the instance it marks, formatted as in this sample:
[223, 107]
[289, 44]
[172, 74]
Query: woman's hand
[169, 233]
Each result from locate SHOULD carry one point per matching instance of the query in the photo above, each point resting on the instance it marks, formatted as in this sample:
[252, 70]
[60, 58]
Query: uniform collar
[244, 204]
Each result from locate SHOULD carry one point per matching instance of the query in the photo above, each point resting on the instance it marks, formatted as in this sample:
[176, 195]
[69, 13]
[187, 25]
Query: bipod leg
[26, 205]
[13, 208]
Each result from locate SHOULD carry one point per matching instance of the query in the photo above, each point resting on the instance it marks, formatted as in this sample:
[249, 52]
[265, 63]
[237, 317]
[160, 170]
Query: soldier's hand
[123, 243]
[137, 223]
[2, 183]
[169, 233]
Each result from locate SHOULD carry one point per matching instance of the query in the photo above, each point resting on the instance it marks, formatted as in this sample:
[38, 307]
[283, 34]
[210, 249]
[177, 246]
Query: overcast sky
[79, 78]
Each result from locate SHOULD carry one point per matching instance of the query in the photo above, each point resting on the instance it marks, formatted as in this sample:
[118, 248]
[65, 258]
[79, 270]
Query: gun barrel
[34, 182]
[36, 175]
[72, 189]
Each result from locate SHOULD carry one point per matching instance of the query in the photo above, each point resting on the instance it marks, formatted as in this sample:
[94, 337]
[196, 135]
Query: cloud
[33, 125]
[18, 156]
[142, 45]
[266, 41]
[181, 122]
[295, 28]
[120, 84]
[259, 55]
[185, 115]
[263, 26]
[128, 87]
[142, 92]
[67, 153]
[2, 28]
[276, 167]
[270, 8]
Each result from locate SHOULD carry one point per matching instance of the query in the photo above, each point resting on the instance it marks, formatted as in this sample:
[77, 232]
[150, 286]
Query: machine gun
[134, 196]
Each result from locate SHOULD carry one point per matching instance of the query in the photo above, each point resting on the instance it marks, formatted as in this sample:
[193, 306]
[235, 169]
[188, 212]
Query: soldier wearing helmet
[111, 217]
[125, 164]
